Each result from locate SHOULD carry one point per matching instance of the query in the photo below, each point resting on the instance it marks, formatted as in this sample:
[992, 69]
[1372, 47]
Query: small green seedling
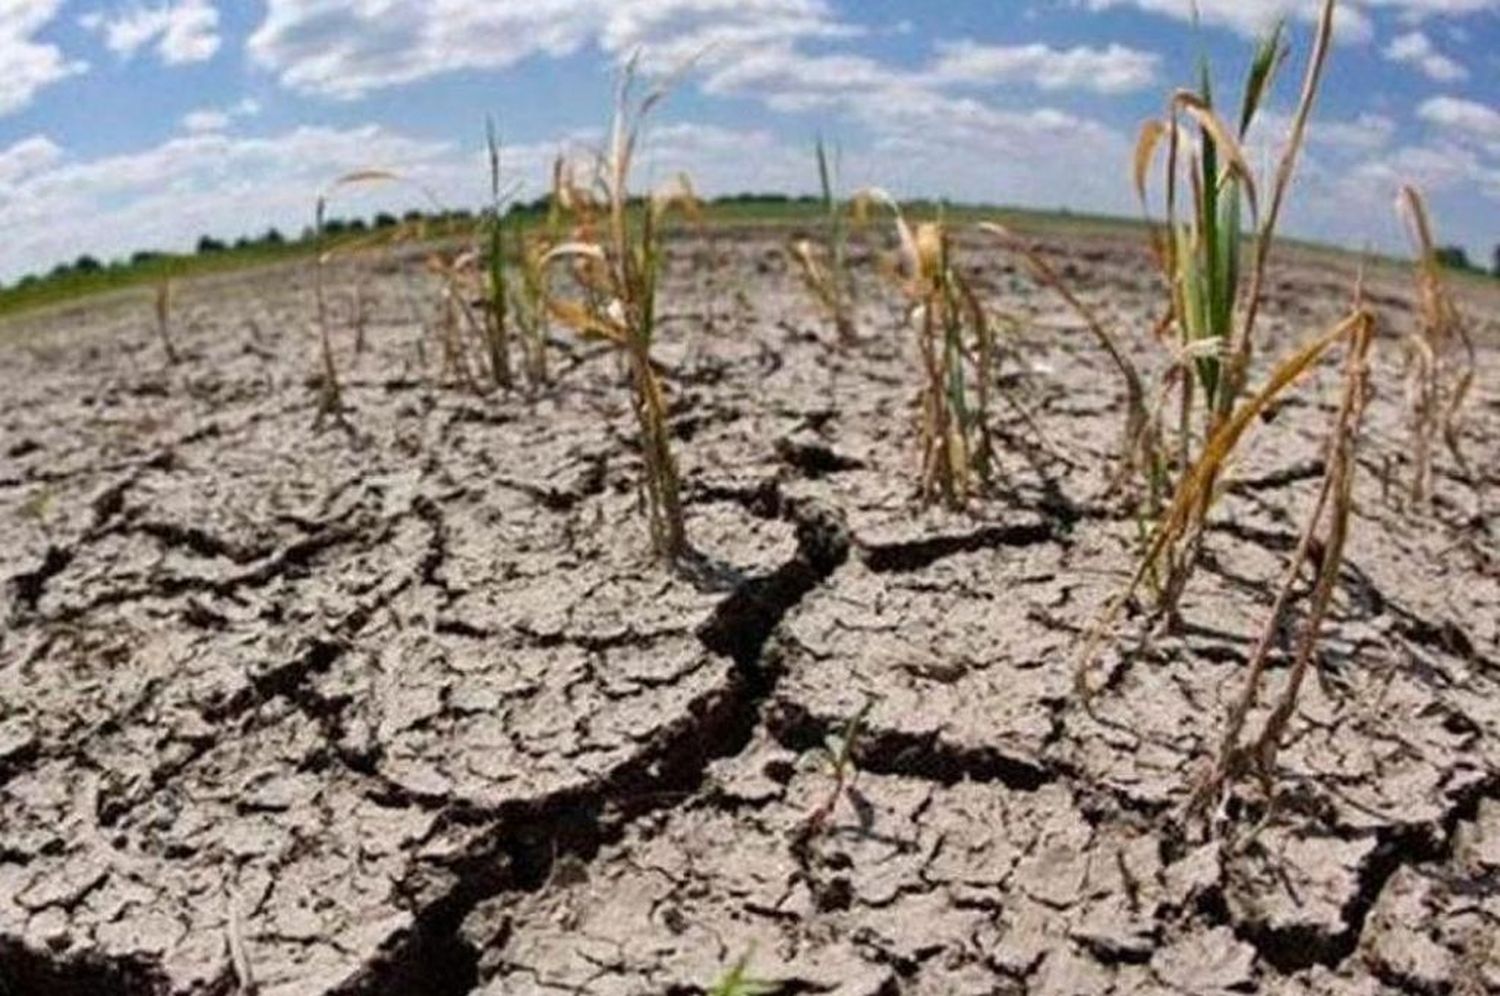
[838, 749]
[737, 981]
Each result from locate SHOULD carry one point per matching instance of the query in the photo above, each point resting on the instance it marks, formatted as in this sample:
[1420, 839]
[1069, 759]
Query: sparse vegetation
[470, 526]
[497, 326]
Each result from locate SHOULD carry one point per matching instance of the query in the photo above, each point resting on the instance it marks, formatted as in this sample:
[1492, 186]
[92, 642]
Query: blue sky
[129, 124]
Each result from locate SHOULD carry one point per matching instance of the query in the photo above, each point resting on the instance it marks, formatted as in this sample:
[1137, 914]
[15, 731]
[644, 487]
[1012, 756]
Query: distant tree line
[335, 227]
[1452, 257]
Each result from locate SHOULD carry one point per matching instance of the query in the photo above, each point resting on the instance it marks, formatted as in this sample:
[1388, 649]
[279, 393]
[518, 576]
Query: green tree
[1453, 257]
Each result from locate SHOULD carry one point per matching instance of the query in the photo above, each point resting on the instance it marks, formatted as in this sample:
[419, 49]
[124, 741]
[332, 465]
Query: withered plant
[164, 319]
[825, 267]
[1212, 306]
[1321, 549]
[1200, 261]
[330, 394]
[1183, 521]
[956, 349]
[615, 259]
[1440, 358]
[497, 296]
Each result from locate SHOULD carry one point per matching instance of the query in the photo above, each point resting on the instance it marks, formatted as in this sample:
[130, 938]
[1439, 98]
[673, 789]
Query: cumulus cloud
[206, 119]
[165, 196]
[181, 31]
[1115, 69]
[25, 158]
[1353, 18]
[1465, 123]
[1251, 17]
[1415, 49]
[346, 48]
[30, 65]
[1464, 116]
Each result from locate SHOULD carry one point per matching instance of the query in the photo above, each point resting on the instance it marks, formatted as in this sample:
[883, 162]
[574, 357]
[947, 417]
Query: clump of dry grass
[825, 268]
[1439, 355]
[956, 347]
[1183, 520]
[616, 257]
[530, 308]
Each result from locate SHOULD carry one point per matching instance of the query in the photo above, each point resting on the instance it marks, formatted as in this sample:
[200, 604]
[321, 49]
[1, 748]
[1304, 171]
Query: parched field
[404, 707]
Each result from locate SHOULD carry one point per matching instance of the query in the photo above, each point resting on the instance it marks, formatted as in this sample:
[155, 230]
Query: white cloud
[27, 157]
[182, 31]
[29, 64]
[1415, 49]
[166, 196]
[1352, 17]
[1465, 123]
[346, 48]
[1115, 69]
[1364, 133]
[206, 119]
[1251, 17]
[1417, 10]
[1464, 116]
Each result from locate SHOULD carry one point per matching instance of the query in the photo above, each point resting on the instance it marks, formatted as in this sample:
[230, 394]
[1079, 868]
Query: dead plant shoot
[615, 258]
[1321, 547]
[1440, 357]
[497, 326]
[825, 268]
[164, 319]
[330, 394]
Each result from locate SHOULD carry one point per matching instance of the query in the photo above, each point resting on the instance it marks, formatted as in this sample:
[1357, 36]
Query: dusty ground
[406, 710]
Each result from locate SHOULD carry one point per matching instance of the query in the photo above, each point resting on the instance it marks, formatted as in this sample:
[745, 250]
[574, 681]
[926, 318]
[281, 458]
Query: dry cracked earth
[403, 707]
